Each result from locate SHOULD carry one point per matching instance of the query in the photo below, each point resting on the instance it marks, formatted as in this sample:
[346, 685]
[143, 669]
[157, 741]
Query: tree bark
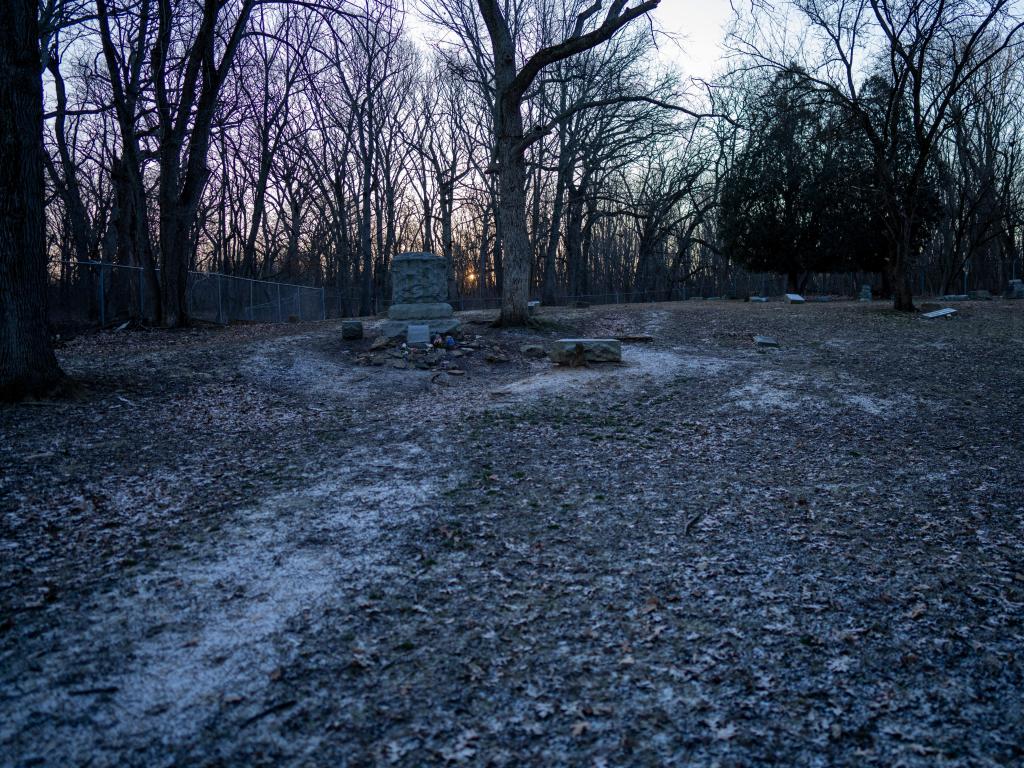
[27, 363]
[515, 240]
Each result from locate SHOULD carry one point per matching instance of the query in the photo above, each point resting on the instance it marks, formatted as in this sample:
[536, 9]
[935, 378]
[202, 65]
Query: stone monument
[865, 293]
[419, 295]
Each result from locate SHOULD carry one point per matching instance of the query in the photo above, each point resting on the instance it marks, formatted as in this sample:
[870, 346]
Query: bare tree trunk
[515, 240]
[551, 249]
[27, 363]
[902, 263]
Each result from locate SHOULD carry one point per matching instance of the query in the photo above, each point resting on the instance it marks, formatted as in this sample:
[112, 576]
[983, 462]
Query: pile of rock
[393, 354]
[405, 357]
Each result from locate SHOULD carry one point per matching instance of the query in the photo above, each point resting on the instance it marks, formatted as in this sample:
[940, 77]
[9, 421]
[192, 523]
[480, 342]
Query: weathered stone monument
[419, 295]
[865, 293]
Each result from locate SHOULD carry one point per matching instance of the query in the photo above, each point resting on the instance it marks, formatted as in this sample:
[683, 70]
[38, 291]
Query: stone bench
[580, 351]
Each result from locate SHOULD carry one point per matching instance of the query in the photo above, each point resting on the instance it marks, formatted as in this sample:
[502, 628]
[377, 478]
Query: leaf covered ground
[242, 547]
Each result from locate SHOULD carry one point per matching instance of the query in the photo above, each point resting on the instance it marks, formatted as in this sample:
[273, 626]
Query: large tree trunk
[174, 243]
[365, 221]
[447, 193]
[515, 239]
[551, 249]
[902, 264]
[27, 363]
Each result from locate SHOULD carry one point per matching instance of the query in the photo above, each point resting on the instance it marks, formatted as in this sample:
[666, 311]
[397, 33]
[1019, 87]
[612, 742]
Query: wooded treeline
[311, 142]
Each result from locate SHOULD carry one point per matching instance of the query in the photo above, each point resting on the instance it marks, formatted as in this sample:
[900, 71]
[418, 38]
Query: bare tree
[27, 362]
[511, 83]
[920, 56]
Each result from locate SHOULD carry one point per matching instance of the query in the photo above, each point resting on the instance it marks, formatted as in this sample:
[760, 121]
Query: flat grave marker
[417, 334]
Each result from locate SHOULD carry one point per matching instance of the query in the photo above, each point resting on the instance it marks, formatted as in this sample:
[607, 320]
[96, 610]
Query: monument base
[394, 329]
[425, 311]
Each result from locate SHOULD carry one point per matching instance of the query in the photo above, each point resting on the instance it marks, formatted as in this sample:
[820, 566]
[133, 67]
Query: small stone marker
[532, 307]
[765, 341]
[980, 295]
[945, 312]
[865, 293]
[351, 330]
[794, 298]
[759, 299]
[417, 334]
[570, 351]
[1015, 289]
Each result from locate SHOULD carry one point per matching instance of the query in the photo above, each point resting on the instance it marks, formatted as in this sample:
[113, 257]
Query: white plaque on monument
[417, 334]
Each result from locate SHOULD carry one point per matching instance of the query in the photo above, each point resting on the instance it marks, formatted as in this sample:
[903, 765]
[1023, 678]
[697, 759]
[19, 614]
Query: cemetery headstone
[865, 293]
[1015, 289]
[419, 295]
[794, 298]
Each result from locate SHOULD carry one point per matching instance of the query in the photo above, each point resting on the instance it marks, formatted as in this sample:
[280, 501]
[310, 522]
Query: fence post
[220, 299]
[102, 298]
[142, 295]
[323, 303]
[250, 300]
[279, 302]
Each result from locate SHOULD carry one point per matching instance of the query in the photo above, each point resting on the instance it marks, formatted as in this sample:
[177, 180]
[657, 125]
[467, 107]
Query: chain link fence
[102, 293]
[105, 294]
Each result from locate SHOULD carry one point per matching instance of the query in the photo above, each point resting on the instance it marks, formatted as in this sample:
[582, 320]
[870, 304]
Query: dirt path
[241, 548]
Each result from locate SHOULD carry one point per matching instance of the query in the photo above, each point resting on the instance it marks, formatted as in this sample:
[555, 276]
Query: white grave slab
[794, 298]
[940, 313]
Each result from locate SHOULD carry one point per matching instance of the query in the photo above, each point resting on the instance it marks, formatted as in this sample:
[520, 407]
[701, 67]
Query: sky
[695, 26]
[698, 26]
